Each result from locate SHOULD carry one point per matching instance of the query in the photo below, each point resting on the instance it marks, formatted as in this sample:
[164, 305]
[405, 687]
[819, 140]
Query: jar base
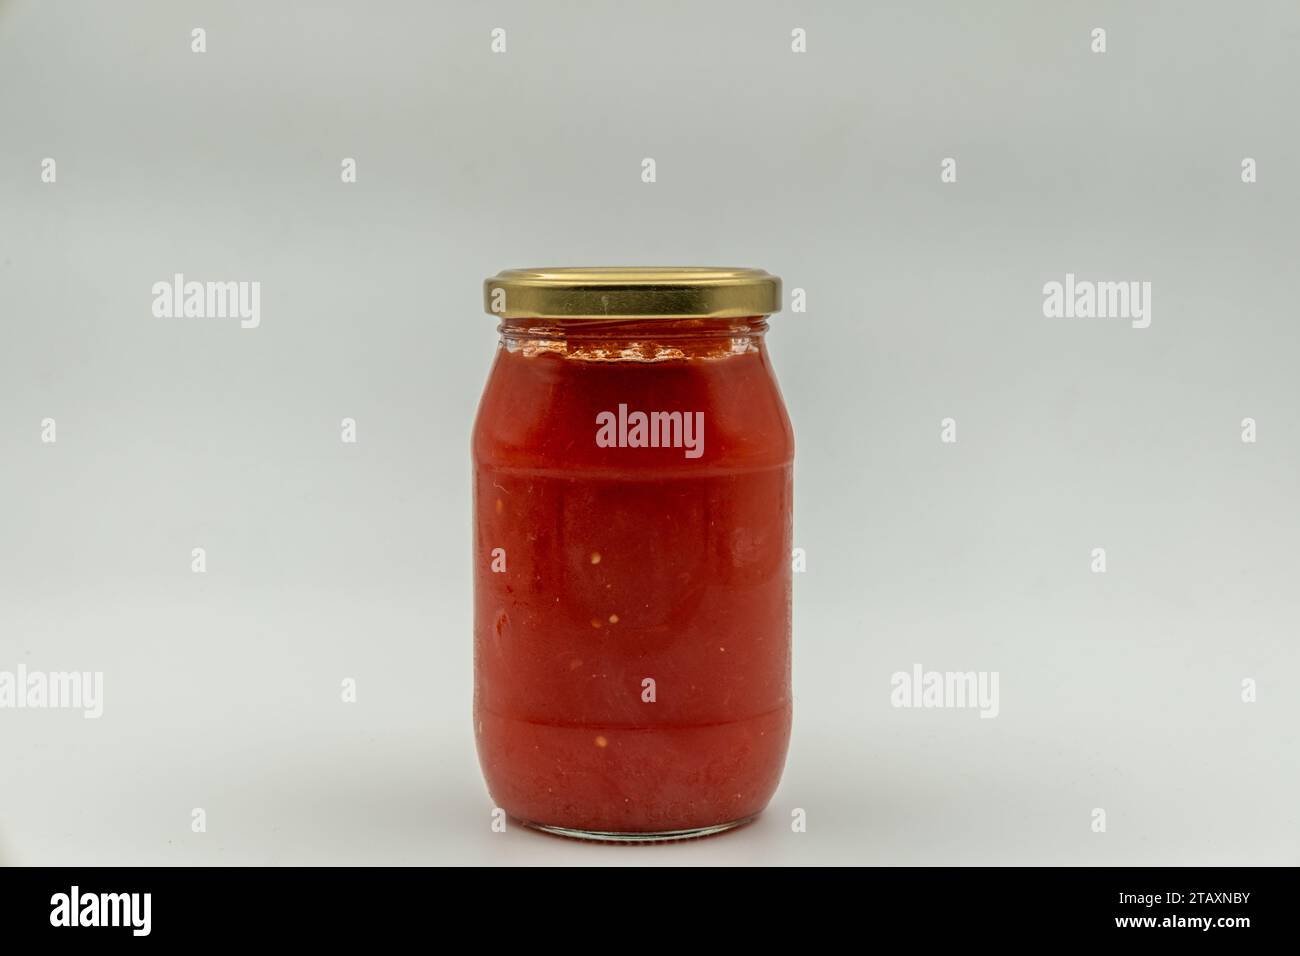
[660, 836]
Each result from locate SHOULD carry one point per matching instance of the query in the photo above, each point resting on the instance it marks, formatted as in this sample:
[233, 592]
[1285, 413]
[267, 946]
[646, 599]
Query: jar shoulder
[549, 411]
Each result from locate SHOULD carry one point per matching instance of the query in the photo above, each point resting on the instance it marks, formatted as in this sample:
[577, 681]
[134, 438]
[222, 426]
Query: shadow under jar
[632, 552]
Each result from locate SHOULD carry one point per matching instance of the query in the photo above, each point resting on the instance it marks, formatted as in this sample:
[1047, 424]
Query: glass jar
[632, 552]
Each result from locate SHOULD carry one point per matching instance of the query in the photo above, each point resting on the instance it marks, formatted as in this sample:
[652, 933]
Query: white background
[1119, 691]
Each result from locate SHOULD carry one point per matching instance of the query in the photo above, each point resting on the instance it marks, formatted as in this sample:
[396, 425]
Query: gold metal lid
[673, 292]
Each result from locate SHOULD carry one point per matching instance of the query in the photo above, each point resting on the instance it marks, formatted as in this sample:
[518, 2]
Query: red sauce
[623, 564]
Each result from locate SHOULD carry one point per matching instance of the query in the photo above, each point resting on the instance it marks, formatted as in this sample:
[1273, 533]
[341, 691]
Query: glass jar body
[632, 576]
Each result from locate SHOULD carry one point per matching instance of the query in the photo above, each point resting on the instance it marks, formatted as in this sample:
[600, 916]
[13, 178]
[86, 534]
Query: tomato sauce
[632, 601]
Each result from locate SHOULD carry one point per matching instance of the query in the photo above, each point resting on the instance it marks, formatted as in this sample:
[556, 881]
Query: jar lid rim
[602, 292]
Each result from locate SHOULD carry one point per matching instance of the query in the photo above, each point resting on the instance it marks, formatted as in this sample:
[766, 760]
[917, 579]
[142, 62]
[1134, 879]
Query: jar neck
[637, 340]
